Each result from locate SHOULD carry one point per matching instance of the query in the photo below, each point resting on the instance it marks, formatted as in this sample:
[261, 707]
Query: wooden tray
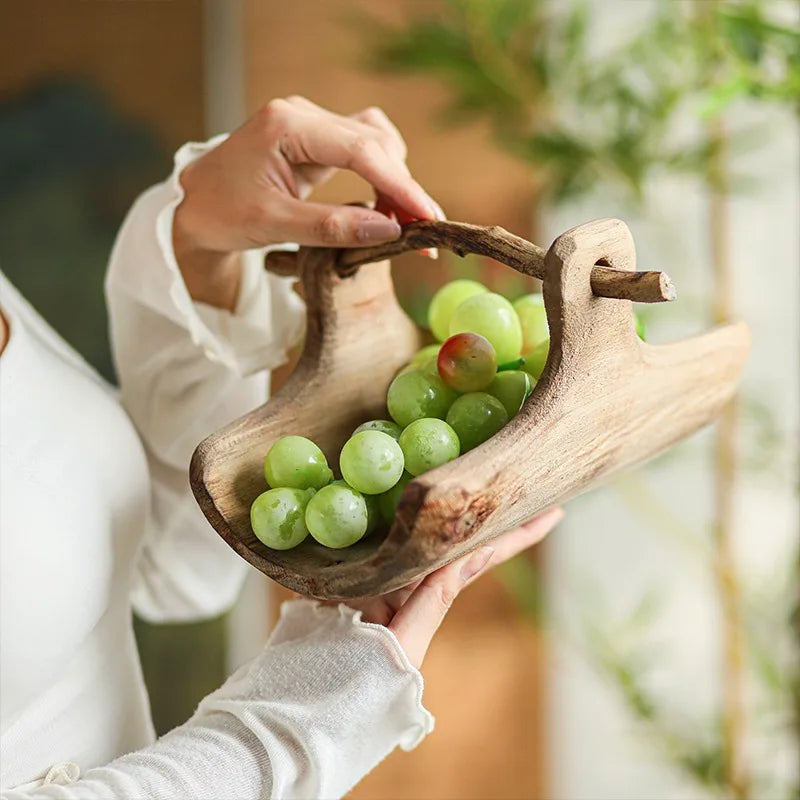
[605, 401]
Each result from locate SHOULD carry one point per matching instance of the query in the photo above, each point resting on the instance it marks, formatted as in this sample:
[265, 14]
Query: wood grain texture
[605, 401]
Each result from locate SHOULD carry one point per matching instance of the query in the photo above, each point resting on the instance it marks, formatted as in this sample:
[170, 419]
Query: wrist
[211, 276]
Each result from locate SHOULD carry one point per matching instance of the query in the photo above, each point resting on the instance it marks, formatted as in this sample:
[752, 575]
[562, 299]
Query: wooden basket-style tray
[606, 400]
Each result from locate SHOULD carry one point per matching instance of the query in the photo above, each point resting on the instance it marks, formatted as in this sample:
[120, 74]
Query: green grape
[336, 516]
[536, 359]
[641, 328]
[373, 502]
[371, 462]
[407, 368]
[424, 355]
[426, 365]
[428, 443]
[512, 389]
[476, 417]
[494, 318]
[430, 367]
[278, 517]
[296, 463]
[533, 319]
[445, 302]
[467, 362]
[414, 395]
[388, 500]
[383, 425]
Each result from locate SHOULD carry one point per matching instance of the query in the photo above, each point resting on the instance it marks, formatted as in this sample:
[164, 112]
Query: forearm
[190, 328]
[326, 701]
[220, 760]
[211, 278]
[186, 368]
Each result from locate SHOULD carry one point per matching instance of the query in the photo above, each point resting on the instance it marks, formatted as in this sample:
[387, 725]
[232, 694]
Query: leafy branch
[582, 120]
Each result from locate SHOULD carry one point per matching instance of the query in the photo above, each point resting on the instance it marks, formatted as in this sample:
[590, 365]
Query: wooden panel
[484, 676]
[145, 56]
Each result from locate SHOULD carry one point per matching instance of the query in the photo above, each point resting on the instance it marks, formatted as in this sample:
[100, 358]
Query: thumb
[322, 225]
[421, 615]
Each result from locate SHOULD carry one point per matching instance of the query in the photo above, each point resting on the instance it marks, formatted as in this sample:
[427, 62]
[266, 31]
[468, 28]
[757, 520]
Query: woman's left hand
[414, 613]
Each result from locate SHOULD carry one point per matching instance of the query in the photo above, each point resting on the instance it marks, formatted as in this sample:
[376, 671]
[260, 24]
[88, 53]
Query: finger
[385, 206]
[322, 225]
[378, 119]
[371, 122]
[420, 617]
[373, 610]
[312, 175]
[373, 117]
[339, 146]
[381, 610]
[398, 597]
[308, 177]
[514, 542]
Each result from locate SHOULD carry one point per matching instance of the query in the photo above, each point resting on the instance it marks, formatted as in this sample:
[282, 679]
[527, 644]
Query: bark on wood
[497, 243]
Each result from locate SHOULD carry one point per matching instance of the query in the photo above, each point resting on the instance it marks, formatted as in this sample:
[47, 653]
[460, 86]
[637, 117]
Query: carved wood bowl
[605, 401]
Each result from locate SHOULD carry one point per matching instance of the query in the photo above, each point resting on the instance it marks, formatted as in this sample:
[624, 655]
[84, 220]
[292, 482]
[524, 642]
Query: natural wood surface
[605, 401]
[497, 243]
[482, 657]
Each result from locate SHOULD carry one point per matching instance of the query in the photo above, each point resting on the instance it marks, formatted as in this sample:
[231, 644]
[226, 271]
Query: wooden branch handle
[497, 243]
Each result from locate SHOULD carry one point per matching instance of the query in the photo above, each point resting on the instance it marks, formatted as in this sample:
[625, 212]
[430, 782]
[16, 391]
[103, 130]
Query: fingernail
[430, 252]
[378, 229]
[556, 514]
[436, 210]
[476, 563]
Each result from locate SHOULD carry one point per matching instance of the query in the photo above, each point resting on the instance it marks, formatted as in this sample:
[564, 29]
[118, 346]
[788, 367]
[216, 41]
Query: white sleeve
[185, 369]
[325, 702]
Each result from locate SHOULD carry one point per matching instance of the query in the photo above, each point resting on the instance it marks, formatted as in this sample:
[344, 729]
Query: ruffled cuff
[335, 678]
[269, 317]
[302, 618]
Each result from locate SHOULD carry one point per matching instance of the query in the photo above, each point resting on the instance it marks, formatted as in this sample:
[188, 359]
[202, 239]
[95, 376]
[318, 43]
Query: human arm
[197, 323]
[324, 702]
[333, 693]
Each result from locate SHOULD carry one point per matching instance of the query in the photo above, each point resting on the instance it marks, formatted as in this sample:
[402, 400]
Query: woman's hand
[250, 191]
[415, 612]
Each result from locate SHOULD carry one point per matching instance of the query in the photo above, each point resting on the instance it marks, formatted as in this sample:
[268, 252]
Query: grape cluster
[450, 398]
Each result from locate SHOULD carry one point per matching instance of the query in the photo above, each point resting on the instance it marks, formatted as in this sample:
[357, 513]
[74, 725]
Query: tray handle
[497, 243]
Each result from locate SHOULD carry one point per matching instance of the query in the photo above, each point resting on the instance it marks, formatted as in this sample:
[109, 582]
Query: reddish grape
[467, 362]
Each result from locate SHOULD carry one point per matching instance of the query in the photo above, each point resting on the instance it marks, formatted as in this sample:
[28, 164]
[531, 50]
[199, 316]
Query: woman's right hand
[251, 190]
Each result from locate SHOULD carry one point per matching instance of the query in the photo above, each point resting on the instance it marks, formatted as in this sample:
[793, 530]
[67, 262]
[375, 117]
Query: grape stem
[515, 364]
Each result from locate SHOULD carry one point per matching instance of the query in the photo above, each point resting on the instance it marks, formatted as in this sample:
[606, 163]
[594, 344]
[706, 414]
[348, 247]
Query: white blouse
[96, 518]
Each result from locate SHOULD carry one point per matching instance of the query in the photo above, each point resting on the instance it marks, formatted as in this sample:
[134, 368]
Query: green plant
[583, 120]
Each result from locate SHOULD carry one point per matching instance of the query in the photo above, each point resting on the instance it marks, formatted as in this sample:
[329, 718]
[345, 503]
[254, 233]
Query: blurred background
[650, 648]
